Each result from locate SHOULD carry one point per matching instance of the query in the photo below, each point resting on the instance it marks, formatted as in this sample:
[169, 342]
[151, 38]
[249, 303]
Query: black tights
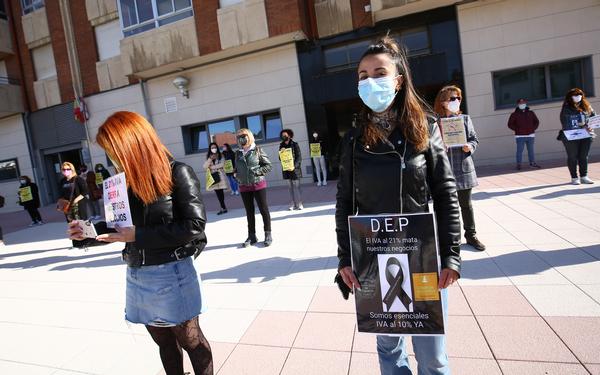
[188, 336]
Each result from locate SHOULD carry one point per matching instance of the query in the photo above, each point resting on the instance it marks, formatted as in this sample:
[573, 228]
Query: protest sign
[395, 258]
[99, 178]
[287, 159]
[228, 166]
[454, 131]
[575, 134]
[116, 201]
[25, 194]
[315, 150]
[594, 122]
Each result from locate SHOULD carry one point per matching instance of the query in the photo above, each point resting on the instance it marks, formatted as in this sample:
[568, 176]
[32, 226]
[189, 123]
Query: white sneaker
[291, 208]
[324, 183]
[319, 183]
[586, 180]
[300, 207]
[575, 181]
[33, 223]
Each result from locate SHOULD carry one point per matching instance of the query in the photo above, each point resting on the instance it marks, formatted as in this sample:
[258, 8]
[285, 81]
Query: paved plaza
[529, 304]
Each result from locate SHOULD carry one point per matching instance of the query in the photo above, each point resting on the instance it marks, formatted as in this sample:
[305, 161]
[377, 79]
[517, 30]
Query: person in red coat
[524, 122]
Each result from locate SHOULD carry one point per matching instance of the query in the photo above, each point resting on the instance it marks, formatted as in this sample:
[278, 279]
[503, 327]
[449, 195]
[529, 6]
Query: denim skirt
[164, 295]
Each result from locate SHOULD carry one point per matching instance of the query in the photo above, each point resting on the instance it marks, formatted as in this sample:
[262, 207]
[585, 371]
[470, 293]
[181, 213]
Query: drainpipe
[144, 88]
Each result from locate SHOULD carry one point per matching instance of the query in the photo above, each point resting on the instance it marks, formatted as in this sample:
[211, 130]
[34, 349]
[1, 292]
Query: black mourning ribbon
[395, 285]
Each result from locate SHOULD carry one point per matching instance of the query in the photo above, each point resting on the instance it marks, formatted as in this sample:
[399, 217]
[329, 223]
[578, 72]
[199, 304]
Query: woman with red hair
[162, 290]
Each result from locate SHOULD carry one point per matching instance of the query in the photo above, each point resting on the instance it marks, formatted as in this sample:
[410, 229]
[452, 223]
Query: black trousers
[466, 211]
[577, 154]
[34, 213]
[260, 197]
[221, 197]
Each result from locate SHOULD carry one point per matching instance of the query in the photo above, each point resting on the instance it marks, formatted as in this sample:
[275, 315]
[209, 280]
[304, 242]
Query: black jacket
[35, 203]
[370, 182]
[173, 221]
[252, 167]
[66, 187]
[297, 172]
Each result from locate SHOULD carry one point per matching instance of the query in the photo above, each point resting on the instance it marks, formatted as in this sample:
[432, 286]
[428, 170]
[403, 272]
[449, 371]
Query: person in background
[524, 123]
[396, 141]
[168, 216]
[73, 189]
[31, 201]
[575, 113]
[214, 165]
[252, 165]
[230, 155]
[293, 177]
[447, 104]
[319, 162]
[95, 194]
[99, 168]
[85, 204]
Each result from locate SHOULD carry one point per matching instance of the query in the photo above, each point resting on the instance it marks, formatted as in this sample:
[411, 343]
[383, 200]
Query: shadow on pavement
[299, 214]
[562, 193]
[482, 195]
[527, 262]
[41, 262]
[2, 256]
[269, 269]
[106, 262]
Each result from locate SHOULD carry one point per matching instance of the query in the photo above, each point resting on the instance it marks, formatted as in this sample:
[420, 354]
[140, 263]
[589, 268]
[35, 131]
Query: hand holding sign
[124, 234]
[116, 201]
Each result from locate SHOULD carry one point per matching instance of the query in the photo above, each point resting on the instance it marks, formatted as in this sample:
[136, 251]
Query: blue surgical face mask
[377, 93]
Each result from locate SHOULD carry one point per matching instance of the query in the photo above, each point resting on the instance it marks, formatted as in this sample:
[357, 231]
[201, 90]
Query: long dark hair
[584, 105]
[209, 153]
[408, 107]
[228, 147]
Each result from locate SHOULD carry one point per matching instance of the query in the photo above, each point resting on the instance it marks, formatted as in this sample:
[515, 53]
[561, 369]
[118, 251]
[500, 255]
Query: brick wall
[85, 41]
[284, 16]
[207, 26]
[27, 70]
[360, 18]
[59, 47]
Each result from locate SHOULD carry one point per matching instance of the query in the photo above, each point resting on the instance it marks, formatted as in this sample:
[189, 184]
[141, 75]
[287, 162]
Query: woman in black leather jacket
[389, 164]
[162, 288]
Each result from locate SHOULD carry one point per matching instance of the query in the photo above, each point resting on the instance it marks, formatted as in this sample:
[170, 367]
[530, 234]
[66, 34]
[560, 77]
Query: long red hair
[132, 143]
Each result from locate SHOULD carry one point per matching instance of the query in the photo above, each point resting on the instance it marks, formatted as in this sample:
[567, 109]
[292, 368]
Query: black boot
[474, 241]
[268, 239]
[251, 240]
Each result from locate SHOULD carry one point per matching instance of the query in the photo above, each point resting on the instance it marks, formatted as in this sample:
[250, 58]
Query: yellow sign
[454, 131]
[99, 179]
[25, 194]
[210, 181]
[287, 159]
[315, 150]
[426, 286]
[228, 167]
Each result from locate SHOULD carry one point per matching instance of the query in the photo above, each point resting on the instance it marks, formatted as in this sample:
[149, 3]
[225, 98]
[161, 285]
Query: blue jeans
[430, 352]
[521, 142]
[233, 183]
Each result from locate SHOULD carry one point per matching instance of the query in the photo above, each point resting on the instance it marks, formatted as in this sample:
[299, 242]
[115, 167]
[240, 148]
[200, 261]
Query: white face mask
[213, 150]
[453, 106]
[576, 98]
[522, 106]
[22, 182]
[315, 135]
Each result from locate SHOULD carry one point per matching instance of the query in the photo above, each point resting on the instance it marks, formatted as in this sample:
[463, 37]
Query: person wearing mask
[252, 165]
[319, 161]
[292, 177]
[230, 155]
[73, 190]
[29, 198]
[162, 286]
[447, 104]
[214, 165]
[575, 114]
[390, 163]
[524, 123]
[99, 168]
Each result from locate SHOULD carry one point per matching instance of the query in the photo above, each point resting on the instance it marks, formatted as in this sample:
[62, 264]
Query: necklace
[383, 120]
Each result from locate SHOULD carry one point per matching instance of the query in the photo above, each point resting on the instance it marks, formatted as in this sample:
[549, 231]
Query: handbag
[63, 205]
[216, 177]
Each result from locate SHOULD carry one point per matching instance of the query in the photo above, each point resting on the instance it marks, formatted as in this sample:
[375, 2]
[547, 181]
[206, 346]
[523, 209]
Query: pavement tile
[592, 290]
[226, 325]
[526, 268]
[541, 368]
[581, 336]
[593, 369]
[290, 298]
[253, 359]
[576, 265]
[457, 304]
[560, 300]
[326, 331]
[9, 367]
[523, 338]
[364, 342]
[498, 300]
[364, 364]
[474, 366]
[273, 328]
[329, 299]
[316, 362]
[464, 338]
[481, 270]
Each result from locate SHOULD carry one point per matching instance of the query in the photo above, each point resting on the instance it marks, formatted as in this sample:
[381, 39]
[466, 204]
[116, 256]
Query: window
[43, 62]
[141, 15]
[31, 5]
[3, 10]
[108, 36]
[9, 170]
[226, 3]
[416, 41]
[264, 126]
[541, 83]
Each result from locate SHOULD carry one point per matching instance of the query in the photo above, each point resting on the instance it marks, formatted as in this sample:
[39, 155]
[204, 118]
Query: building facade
[201, 69]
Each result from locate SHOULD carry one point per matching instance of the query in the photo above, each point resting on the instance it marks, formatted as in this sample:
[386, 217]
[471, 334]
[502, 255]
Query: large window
[29, 6]
[9, 170]
[264, 126]
[108, 36]
[3, 10]
[141, 15]
[542, 83]
[43, 62]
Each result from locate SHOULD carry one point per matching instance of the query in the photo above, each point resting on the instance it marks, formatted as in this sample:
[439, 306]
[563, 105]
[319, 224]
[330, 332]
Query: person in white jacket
[215, 163]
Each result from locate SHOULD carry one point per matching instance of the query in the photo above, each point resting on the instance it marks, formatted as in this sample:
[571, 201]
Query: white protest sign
[87, 229]
[575, 134]
[116, 203]
[594, 122]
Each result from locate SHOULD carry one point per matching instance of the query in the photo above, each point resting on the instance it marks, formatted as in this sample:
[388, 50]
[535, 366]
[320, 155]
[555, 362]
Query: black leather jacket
[371, 182]
[173, 222]
[252, 167]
